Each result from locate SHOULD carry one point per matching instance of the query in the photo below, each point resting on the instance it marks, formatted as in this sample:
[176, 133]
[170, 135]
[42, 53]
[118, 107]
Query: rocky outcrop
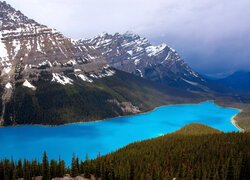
[134, 54]
[30, 51]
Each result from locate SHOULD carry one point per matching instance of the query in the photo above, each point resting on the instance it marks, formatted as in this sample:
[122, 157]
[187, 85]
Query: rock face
[29, 50]
[134, 54]
[47, 78]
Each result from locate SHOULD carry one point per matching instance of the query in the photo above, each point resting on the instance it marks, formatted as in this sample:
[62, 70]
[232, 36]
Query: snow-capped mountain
[134, 54]
[28, 49]
[48, 78]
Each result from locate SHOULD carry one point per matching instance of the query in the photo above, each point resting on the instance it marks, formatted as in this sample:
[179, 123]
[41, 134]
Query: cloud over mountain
[213, 36]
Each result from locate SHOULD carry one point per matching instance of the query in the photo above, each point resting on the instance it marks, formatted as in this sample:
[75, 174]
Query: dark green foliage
[197, 129]
[61, 168]
[45, 167]
[74, 166]
[55, 104]
[186, 154]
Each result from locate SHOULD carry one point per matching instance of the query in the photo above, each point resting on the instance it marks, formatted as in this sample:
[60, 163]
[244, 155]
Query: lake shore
[234, 122]
[109, 135]
[99, 120]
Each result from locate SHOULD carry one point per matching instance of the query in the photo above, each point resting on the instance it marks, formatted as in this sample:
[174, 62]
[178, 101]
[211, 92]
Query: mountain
[47, 78]
[238, 81]
[134, 54]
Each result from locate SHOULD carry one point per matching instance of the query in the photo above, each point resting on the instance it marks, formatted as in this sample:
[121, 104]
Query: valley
[108, 135]
[115, 106]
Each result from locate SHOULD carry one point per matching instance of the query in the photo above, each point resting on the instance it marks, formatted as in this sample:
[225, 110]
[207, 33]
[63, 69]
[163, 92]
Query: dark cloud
[213, 36]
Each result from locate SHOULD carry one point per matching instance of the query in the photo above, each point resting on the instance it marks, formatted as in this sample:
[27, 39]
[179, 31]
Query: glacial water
[109, 135]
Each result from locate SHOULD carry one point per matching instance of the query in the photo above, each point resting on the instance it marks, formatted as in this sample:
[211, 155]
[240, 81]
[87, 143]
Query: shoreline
[81, 122]
[234, 122]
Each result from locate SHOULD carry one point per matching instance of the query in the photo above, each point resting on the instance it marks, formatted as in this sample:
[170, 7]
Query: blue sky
[213, 36]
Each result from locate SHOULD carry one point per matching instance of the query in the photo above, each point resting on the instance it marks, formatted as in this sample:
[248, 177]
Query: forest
[53, 104]
[194, 152]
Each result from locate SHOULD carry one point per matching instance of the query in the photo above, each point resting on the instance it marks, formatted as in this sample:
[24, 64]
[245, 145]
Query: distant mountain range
[238, 81]
[48, 78]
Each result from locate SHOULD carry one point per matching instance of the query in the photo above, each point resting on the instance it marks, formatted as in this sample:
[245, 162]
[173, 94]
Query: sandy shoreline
[234, 122]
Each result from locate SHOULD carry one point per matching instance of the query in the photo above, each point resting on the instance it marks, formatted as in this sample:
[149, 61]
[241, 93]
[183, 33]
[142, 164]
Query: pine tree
[53, 168]
[61, 168]
[26, 170]
[1, 170]
[86, 167]
[74, 167]
[20, 169]
[6, 171]
[14, 170]
[45, 167]
[34, 168]
[98, 166]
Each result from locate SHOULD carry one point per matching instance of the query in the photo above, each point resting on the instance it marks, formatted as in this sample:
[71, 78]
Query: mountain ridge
[134, 54]
[237, 81]
[48, 78]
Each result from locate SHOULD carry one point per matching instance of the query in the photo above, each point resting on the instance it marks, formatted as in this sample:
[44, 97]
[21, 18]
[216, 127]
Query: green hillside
[194, 152]
[196, 129]
[55, 104]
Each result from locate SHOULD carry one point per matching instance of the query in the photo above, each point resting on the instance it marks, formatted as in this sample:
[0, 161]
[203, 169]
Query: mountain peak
[30, 52]
[12, 18]
[132, 53]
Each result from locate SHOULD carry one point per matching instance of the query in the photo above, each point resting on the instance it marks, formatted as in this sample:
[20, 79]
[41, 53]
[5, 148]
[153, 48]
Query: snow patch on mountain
[45, 63]
[6, 70]
[8, 86]
[77, 70]
[61, 79]
[191, 82]
[3, 50]
[137, 61]
[28, 85]
[130, 52]
[84, 78]
[155, 50]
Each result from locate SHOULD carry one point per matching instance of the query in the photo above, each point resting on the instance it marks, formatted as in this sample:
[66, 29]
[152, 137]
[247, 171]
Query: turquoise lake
[109, 135]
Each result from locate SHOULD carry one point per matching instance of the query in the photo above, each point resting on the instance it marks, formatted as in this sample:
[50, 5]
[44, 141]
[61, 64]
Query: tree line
[209, 156]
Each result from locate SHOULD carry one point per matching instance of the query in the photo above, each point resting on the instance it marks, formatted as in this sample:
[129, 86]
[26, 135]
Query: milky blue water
[106, 136]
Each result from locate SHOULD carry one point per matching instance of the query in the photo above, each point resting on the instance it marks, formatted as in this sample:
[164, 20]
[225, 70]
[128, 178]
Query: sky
[212, 36]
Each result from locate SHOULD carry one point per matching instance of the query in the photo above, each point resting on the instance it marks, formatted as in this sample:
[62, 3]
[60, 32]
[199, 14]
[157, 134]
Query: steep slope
[121, 94]
[134, 54]
[47, 78]
[29, 49]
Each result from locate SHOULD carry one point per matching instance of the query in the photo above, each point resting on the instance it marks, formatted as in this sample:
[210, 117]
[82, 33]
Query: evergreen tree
[45, 167]
[74, 166]
[61, 168]
[26, 170]
[19, 169]
[53, 168]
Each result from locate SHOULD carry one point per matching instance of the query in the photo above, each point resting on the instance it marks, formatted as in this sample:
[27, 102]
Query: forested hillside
[122, 94]
[194, 152]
